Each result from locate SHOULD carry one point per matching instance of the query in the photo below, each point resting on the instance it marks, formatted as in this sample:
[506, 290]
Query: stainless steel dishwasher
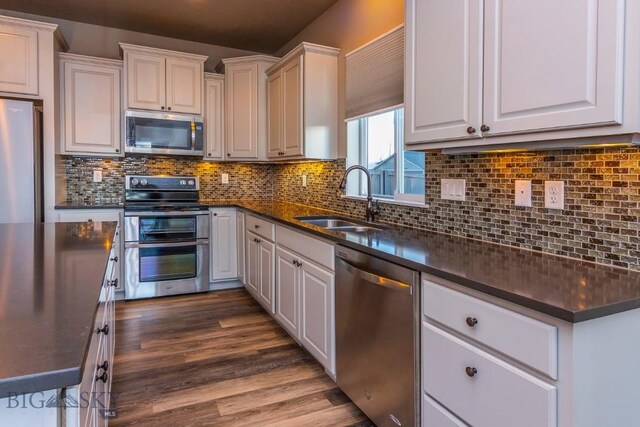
[377, 337]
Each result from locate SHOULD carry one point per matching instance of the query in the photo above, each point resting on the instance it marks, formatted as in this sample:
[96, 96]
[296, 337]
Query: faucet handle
[375, 207]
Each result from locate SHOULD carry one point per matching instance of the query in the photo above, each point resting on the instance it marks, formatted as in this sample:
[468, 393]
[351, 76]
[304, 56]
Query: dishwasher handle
[379, 280]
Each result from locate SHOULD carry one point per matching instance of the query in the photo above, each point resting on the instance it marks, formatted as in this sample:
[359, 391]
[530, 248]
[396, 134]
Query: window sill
[388, 201]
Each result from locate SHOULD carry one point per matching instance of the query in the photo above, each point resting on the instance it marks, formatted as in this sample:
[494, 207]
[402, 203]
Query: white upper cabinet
[551, 64]
[163, 80]
[145, 81]
[91, 108]
[18, 59]
[511, 71]
[184, 85]
[303, 104]
[246, 106]
[214, 116]
[443, 99]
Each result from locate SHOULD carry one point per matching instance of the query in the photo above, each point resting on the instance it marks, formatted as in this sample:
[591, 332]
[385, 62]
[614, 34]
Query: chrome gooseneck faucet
[373, 208]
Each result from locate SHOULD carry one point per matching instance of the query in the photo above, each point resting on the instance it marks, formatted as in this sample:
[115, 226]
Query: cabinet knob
[104, 366]
[228, 154]
[117, 150]
[471, 129]
[256, 226]
[215, 214]
[114, 283]
[104, 377]
[103, 330]
[471, 372]
[209, 154]
[485, 128]
[114, 259]
[471, 322]
[162, 108]
[169, 108]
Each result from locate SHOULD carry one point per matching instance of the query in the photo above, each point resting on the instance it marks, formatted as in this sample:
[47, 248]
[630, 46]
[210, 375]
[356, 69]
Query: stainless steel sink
[337, 223]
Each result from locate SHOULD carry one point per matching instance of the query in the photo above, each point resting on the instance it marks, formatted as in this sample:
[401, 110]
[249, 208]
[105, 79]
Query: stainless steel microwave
[162, 133]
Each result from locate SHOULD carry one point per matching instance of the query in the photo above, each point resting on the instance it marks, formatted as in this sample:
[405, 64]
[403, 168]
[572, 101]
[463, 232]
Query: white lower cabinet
[305, 286]
[223, 250]
[317, 330]
[240, 232]
[260, 264]
[434, 415]
[287, 291]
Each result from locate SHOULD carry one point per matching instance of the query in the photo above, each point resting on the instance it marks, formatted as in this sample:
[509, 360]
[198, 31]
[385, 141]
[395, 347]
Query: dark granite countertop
[50, 282]
[89, 205]
[564, 288]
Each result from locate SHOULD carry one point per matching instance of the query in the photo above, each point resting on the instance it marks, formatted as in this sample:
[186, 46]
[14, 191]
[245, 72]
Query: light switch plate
[523, 193]
[225, 178]
[453, 189]
[97, 175]
[554, 194]
[304, 180]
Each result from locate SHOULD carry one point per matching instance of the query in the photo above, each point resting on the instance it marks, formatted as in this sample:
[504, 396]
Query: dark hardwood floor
[218, 359]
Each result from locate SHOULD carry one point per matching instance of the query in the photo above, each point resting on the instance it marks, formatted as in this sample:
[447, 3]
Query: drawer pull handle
[104, 377]
[471, 322]
[103, 330]
[257, 226]
[114, 283]
[471, 372]
[104, 366]
[114, 259]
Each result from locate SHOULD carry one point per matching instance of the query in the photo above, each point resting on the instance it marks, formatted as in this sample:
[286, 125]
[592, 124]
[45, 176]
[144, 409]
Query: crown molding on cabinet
[91, 60]
[161, 52]
[35, 25]
[304, 47]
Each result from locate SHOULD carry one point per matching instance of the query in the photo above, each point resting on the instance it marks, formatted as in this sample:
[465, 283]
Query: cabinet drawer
[527, 340]
[88, 216]
[495, 394]
[314, 249]
[434, 415]
[261, 227]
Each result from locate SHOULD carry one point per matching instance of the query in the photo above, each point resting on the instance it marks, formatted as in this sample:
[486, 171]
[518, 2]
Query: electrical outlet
[304, 180]
[225, 178]
[523, 193]
[453, 189]
[97, 175]
[554, 194]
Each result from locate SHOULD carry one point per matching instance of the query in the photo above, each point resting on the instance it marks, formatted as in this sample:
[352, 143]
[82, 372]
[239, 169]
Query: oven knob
[191, 182]
[134, 181]
[183, 182]
[143, 182]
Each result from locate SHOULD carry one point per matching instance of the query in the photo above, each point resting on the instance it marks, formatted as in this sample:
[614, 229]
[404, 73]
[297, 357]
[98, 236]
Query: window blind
[375, 75]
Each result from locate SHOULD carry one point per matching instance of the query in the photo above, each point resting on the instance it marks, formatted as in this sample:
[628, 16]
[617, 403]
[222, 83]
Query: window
[376, 142]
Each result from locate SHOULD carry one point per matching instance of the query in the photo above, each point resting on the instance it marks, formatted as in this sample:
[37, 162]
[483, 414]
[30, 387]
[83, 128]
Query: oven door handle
[137, 245]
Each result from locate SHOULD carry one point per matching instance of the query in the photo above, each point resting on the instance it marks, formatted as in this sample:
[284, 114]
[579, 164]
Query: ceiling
[257, 25]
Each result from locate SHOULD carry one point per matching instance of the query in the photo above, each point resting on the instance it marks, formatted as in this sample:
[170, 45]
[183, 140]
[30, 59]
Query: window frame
[357, 189]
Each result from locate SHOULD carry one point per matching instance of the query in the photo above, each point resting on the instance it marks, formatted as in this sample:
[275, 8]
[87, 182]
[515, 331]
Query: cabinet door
[145, 81]
[317, 310]
[242, 111]
[18, 60]
[292, 108]
[92, 109]
[184, 86]
[267, 274]
[241, 241]
[214, 119]
[274, 115]
[552, 65]
[223, 245]
[252, 264]
[443, 74]
[287, 290]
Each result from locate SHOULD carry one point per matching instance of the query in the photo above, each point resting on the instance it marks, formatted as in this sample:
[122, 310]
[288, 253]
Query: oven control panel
[171, 183]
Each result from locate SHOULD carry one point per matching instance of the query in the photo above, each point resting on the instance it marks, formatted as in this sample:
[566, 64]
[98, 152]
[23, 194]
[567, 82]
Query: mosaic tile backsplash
[246, 181]
[599, 222]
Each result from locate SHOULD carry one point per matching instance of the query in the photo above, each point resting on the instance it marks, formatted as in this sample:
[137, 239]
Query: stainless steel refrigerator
[20, 161]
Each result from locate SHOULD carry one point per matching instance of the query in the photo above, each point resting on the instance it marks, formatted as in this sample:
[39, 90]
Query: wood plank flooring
[218, 359]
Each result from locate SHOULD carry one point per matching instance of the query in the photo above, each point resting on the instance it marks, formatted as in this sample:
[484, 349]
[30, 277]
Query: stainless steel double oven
[166, 249]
